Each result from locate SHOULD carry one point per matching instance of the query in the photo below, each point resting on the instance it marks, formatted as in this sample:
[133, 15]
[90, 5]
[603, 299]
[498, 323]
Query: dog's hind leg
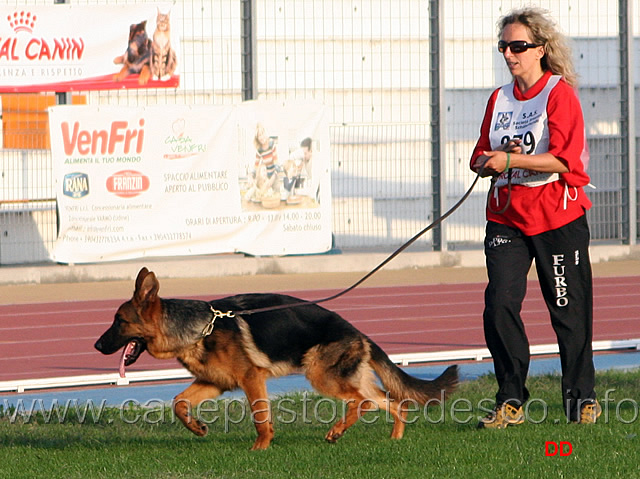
[360, 401]
[399, 418]
[348, 377]
[357, 405]
[339, 370]
[255, 387]
[191, 397]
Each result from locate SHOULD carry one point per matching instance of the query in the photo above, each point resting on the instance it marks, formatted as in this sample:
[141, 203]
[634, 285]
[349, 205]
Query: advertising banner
[88, 47]
[176, 180]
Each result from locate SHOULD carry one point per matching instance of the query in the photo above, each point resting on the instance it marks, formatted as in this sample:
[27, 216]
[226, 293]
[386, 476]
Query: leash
[494, 179]
[219, 314]
[374, 270]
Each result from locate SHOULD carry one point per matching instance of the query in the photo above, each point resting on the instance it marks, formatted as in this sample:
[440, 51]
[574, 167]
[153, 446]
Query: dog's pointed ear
[141, 275]
[146, 288]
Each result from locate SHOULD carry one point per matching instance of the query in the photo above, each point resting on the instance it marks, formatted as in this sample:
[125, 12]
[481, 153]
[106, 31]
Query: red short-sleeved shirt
[534, 210]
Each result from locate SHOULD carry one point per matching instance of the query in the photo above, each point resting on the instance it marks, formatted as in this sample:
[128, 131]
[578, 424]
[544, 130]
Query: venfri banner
[175, 180]
[89, 47]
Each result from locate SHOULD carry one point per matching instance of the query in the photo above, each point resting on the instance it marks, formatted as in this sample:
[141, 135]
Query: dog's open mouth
[130, 354]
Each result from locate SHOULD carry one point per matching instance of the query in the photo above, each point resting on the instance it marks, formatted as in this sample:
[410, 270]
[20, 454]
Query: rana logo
[75, 185]
[127, 183]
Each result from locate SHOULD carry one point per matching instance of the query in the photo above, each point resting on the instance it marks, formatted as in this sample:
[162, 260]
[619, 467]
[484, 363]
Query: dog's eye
[120, 320]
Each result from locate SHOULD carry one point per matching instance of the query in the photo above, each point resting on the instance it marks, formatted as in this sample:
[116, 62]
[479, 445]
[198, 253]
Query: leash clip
[208, 329]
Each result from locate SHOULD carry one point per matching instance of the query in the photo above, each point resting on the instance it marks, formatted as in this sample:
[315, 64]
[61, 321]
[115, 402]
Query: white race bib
[527, 121]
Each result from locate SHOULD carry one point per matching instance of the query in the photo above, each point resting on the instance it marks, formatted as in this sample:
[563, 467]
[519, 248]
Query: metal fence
[406, 83]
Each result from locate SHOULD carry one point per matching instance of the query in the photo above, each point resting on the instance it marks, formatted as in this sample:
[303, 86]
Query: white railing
[479, 354]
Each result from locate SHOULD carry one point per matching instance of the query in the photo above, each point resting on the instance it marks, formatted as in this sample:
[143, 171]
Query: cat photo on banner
[163, 56]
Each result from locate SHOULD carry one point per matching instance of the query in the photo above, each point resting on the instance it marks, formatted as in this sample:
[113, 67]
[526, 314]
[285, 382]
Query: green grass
[117, 446]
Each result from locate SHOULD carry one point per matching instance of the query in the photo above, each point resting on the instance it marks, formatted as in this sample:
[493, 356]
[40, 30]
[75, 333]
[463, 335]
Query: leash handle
[493, 189]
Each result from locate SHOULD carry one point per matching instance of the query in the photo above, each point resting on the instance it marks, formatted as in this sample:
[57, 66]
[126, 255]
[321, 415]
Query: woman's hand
[495, 161]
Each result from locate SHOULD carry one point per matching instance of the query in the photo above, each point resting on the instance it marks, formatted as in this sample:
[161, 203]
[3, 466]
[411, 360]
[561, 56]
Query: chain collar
[208, 329]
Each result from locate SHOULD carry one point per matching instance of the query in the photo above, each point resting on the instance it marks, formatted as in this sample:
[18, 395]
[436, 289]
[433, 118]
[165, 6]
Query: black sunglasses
[517, 46]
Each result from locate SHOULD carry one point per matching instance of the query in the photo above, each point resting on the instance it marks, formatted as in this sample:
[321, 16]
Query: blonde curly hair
[543, 30]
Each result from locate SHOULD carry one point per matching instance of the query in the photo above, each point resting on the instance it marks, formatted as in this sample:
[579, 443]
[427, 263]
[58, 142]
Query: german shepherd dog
[243, 350]
[137, 57]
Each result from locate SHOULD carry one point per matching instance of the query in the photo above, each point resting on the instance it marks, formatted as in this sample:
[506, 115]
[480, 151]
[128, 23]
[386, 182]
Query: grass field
[442, 442]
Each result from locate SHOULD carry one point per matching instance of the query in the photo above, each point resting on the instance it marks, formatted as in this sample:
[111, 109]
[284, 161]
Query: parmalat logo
[127, 183]
[75, 185]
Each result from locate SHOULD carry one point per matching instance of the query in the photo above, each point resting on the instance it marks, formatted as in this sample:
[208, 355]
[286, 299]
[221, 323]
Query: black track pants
[564, 271]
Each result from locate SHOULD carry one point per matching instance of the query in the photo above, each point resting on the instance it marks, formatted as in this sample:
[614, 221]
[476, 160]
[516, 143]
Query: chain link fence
[402, 125]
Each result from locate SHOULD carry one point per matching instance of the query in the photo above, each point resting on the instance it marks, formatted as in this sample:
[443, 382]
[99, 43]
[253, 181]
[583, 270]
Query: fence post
[436, 88]
[249, 86]
[62, 98]
[628, 123]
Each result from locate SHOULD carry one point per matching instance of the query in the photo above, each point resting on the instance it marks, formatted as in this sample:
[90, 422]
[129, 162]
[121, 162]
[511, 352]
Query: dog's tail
[402, 386]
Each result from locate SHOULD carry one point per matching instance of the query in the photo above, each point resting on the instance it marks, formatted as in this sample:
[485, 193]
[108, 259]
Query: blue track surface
[119, 395]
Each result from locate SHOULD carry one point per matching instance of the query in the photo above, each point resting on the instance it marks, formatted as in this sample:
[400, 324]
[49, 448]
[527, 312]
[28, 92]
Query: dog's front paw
[198, 428]
[121, 75]
[194, 425]
[145, 76]
[333, 435]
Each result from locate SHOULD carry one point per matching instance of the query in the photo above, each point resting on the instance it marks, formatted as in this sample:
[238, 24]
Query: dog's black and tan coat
[244, 351]
[137, 56]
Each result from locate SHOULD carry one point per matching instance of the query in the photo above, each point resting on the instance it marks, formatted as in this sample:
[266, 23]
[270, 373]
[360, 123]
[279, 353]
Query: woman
[532, 141]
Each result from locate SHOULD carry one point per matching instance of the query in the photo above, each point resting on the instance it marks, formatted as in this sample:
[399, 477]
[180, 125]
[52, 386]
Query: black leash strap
[492, 190]
[377, 268]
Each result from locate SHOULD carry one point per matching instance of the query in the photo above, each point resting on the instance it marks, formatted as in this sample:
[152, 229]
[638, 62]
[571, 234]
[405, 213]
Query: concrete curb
[240, 265]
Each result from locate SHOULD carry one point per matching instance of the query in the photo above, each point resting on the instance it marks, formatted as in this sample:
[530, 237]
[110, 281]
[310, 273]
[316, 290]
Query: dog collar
[208, 329]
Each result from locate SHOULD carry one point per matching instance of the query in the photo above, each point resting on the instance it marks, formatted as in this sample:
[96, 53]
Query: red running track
[43, 340]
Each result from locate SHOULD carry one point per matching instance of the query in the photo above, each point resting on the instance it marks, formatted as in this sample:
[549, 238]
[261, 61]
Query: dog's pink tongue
[126, 352]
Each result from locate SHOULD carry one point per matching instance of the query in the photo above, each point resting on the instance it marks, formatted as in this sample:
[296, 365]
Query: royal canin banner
[89, 47]
[176, 180]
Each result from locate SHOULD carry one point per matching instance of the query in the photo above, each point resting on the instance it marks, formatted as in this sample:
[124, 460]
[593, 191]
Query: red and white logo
[34, 48]
[127, 183]
[22, 21]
